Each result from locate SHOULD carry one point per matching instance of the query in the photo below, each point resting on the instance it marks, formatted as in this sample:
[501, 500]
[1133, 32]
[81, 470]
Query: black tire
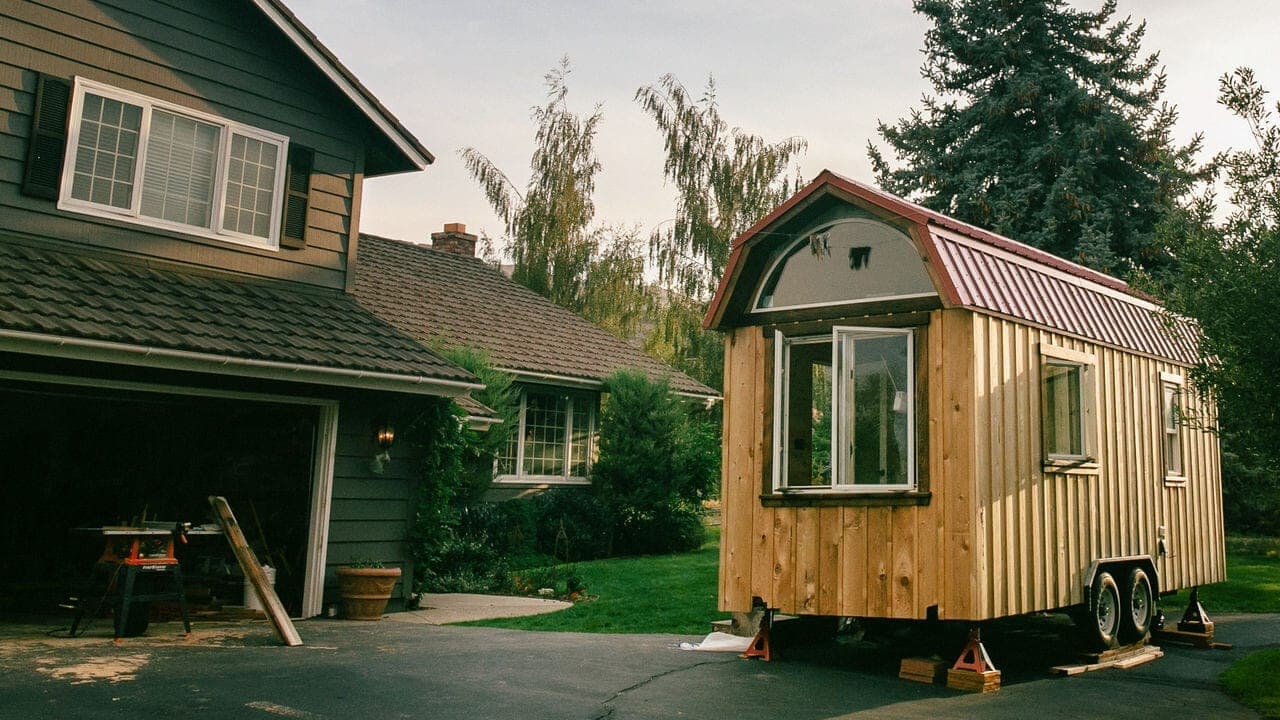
[1102, 628]
[1137, 607]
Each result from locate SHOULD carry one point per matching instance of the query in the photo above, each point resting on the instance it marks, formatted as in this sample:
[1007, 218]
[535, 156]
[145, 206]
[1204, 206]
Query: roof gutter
[586, 384]
[187, 361]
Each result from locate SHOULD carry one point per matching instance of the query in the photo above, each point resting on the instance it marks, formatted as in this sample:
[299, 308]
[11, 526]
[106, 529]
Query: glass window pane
[580, 438]
[1172, 412]
[177, 180]
[875, 410]
[250, 186]
[1062, 421]
[808, 408]
[106, 151]
[544, 434]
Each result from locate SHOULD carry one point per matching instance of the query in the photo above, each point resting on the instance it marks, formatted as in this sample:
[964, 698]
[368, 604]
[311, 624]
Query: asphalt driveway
[407, 670]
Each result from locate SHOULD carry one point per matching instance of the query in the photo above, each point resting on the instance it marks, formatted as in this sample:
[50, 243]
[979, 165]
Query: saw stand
[132, 552]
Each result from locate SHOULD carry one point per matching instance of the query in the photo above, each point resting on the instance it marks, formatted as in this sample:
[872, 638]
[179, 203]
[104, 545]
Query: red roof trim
[921, 217]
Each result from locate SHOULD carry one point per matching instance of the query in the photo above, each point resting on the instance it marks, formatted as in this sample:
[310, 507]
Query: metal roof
[981, 270]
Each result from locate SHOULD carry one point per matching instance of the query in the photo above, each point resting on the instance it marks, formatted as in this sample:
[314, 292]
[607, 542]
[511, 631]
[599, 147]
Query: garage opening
[80, 457]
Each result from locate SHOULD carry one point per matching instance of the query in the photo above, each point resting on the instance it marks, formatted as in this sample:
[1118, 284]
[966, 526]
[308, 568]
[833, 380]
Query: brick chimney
[455, 239]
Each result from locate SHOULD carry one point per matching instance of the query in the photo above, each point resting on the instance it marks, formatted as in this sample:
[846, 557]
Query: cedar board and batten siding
[850, 559]
[999, 536]
[218, 58]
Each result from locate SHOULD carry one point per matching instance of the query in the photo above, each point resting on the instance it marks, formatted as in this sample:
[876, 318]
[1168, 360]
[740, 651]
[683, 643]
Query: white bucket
[251, 601]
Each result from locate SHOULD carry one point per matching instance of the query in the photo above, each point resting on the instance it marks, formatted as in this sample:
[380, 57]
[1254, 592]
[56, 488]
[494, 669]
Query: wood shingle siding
[219, 58]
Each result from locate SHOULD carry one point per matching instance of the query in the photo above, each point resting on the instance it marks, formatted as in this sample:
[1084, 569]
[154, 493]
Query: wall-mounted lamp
[384, 436]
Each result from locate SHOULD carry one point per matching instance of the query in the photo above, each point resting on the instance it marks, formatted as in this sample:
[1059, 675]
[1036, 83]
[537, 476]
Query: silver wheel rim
[1106, 612]
[1140, 605]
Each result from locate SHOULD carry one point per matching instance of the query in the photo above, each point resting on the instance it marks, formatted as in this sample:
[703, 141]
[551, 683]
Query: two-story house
[180, 188]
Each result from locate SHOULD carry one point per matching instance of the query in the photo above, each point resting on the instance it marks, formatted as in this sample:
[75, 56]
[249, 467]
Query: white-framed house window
[143, 160]
[554, 442]
[1171, 393]
[1068, 414]
[844, 411]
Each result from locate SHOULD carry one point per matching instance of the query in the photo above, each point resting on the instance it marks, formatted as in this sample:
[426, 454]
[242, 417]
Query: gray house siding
[370, 513]
[219, 58]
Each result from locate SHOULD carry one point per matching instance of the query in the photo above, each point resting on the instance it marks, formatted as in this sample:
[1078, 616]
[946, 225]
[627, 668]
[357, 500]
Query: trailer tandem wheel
[1102, 629]
[1138, 607]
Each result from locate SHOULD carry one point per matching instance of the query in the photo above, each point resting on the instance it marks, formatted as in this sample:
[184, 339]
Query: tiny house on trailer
[924, 419]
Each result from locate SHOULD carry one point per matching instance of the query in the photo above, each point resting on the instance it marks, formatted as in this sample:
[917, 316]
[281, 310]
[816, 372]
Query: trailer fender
[1111, 564]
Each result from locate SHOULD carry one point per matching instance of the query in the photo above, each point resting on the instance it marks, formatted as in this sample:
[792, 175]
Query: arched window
[848, 261]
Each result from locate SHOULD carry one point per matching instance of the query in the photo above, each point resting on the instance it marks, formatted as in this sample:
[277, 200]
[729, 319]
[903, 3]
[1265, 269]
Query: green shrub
[657, 463]
[572, 524]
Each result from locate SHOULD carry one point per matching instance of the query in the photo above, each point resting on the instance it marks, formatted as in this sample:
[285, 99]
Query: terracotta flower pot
[365, 591]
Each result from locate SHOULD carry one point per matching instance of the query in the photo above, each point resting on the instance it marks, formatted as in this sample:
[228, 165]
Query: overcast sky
[462, 73]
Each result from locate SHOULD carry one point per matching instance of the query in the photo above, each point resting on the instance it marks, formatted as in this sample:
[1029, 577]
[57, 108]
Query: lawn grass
[1253, 680]
[1253, 581]
[655, 594]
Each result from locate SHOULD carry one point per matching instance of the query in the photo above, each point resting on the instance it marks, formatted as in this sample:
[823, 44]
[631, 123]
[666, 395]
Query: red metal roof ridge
[922, 217]
[960, 226]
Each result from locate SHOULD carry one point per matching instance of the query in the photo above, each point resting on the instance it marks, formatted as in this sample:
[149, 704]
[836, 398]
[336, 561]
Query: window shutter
[293, 231]
[47, 145]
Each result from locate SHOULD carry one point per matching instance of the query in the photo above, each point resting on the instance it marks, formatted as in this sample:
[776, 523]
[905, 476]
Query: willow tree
[1228, 278]
[1046, 124]
[725, 180]
[556, 251]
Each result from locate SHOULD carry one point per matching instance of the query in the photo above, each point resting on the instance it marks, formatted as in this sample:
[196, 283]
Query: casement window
[844, 411]
[1067, 407]
[554, 441]
[1171, 427]
[107, 152]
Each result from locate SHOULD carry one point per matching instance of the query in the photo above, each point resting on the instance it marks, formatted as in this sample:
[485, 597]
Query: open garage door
[78, 456]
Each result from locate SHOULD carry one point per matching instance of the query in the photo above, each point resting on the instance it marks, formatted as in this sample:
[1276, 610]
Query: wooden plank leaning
[253, 570]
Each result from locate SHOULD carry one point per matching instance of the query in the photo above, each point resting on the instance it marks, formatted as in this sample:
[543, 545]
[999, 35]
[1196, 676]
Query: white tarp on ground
[719, 642]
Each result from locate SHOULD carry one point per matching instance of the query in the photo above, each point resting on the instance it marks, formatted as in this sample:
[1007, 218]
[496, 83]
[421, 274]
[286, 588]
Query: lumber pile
[970, 681]
[1122, 658]
[925, 670]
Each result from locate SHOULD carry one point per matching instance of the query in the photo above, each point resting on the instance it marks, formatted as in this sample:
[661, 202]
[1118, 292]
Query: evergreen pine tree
[1047, 126]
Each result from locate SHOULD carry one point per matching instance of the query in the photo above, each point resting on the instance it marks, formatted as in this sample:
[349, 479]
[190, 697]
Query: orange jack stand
[760, 643]
[974, 671]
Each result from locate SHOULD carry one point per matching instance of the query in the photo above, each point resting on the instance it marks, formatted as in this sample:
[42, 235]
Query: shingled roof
[440, 296]
[982, 270]
[113, 309]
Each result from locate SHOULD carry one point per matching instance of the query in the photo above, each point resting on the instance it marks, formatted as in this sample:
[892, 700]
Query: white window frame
[132, 214]
[781, 419]
[1087, 364]
[1176, 383]
[520, 477]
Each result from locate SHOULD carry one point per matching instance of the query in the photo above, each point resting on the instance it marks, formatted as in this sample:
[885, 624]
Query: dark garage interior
[84, 457]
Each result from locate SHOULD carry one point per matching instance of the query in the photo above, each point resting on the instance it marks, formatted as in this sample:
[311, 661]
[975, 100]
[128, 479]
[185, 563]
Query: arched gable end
[842, 262]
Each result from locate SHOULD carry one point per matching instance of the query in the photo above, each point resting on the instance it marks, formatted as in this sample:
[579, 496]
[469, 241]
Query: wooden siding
[1000, 535]
[850, 559]
[1043, 528]
[370, 513]
[220, 58]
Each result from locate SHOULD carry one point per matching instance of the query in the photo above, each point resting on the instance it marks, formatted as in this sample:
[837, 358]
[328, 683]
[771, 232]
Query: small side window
[1067, 400]
[1171, 415]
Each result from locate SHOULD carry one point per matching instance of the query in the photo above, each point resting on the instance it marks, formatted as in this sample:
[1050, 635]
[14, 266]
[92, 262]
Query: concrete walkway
[446, 608]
